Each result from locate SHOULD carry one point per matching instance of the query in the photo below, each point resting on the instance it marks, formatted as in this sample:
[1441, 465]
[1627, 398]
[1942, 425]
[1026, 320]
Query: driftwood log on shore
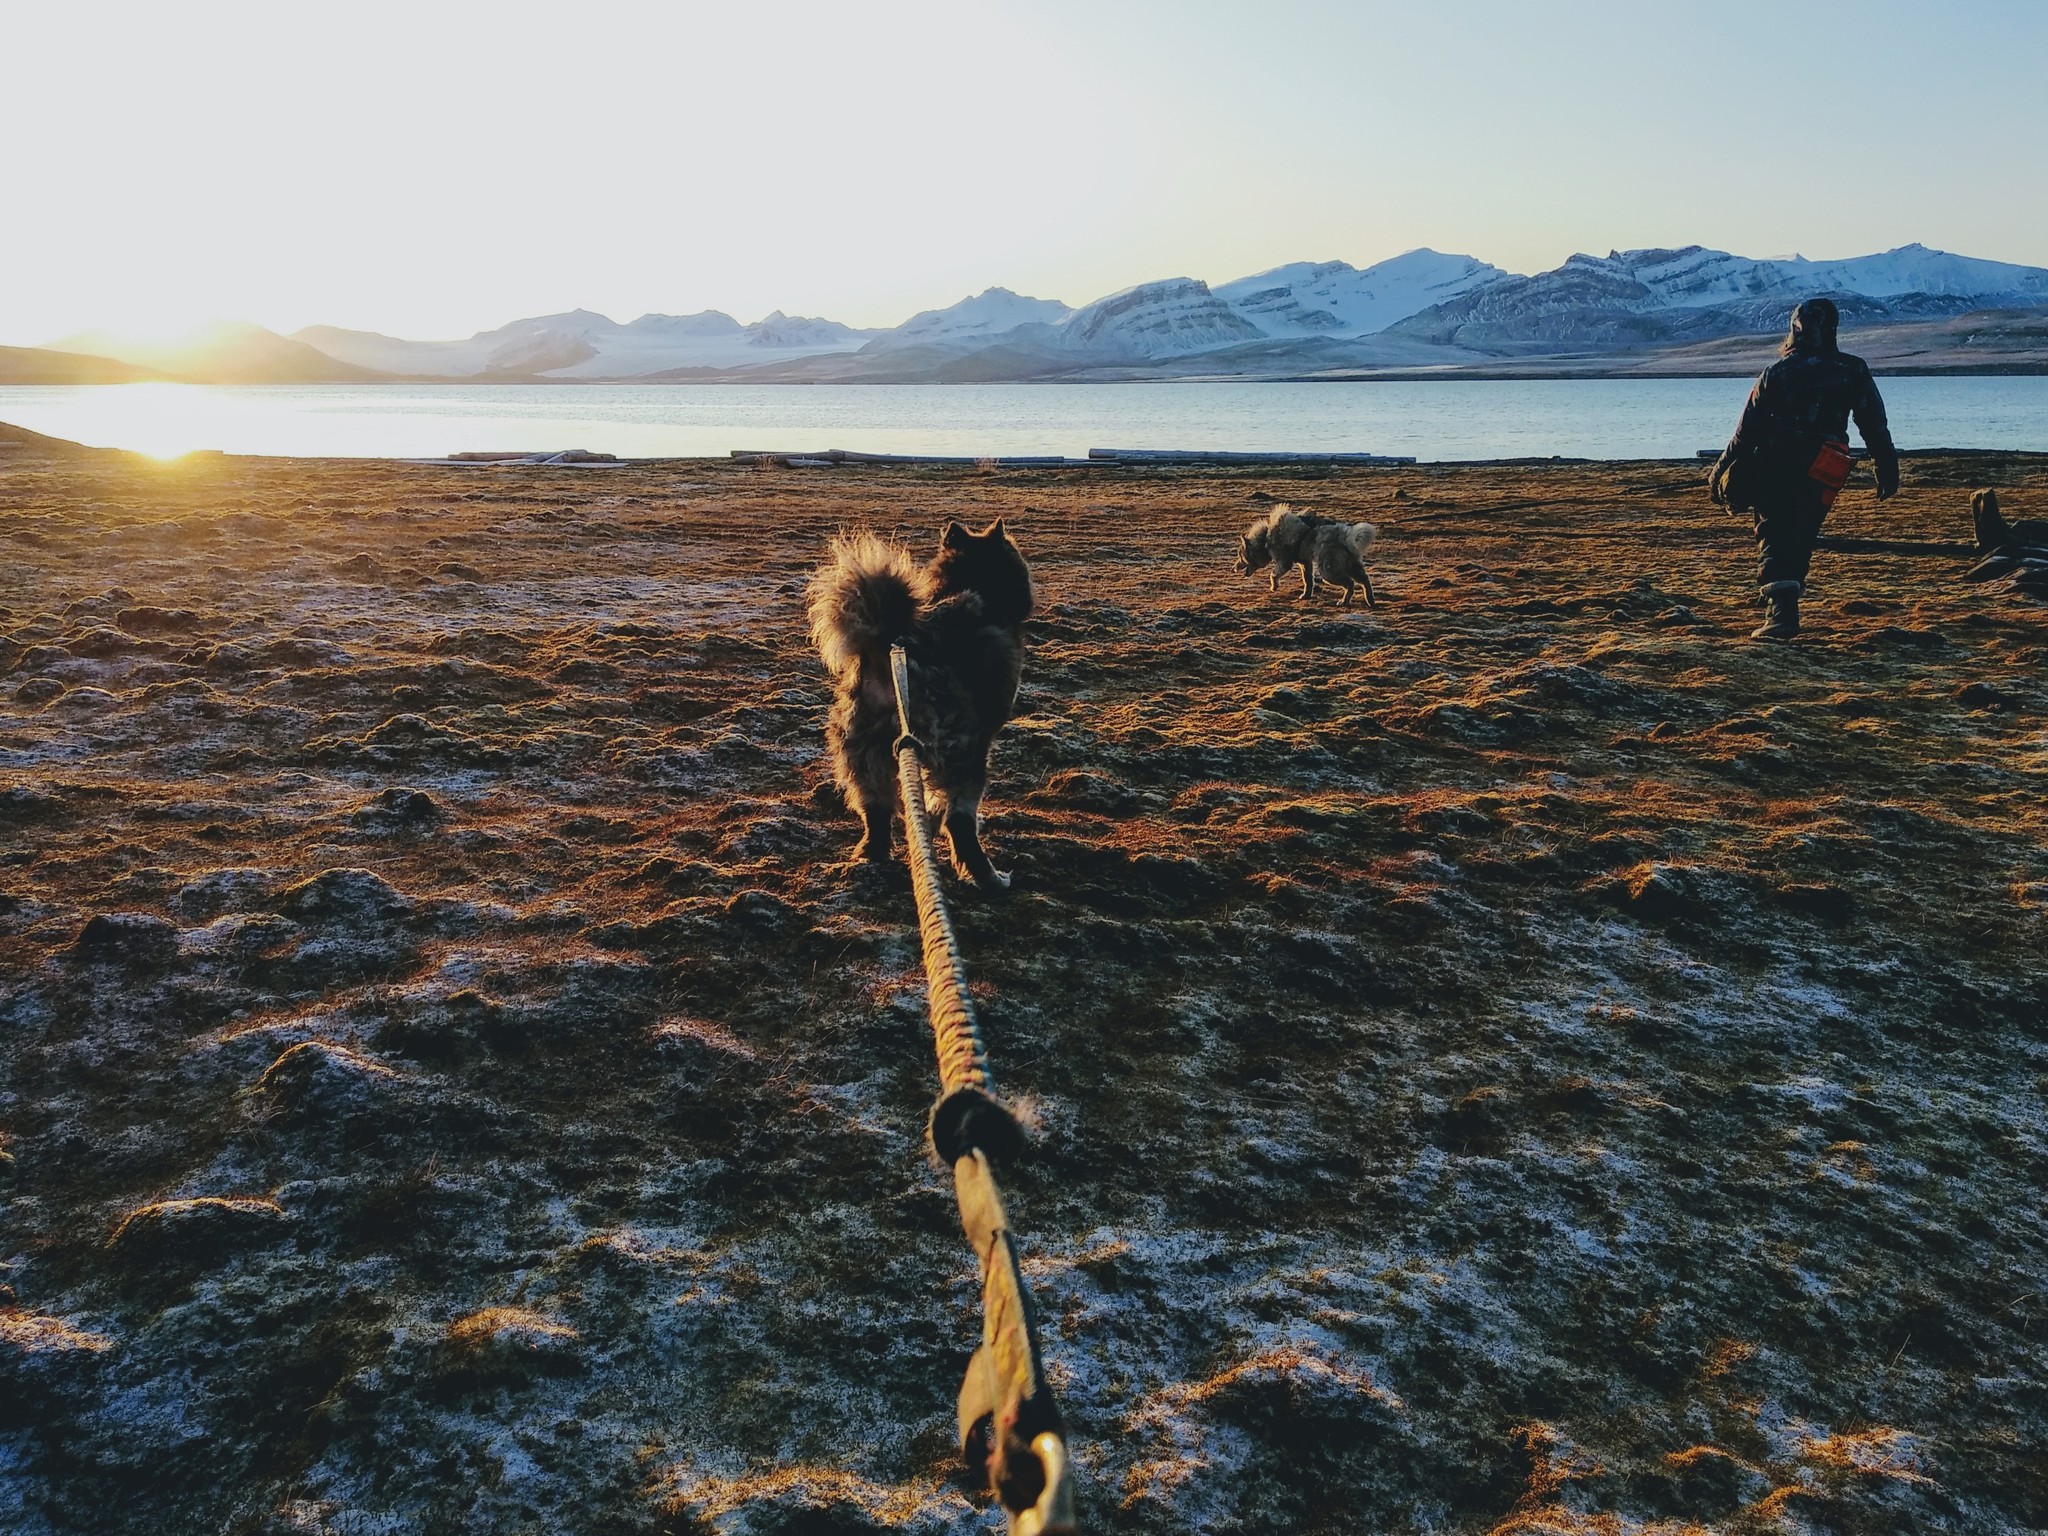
[1198, 456]
[828, 458]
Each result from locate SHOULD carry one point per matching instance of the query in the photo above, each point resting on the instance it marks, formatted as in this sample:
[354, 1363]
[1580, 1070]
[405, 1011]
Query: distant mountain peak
[706, 322]
[976, 318]
[224, 352]
[1334, 298]
[1170, 317]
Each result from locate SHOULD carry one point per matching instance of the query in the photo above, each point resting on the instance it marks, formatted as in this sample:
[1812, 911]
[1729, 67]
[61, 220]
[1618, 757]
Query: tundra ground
[1524, 1059]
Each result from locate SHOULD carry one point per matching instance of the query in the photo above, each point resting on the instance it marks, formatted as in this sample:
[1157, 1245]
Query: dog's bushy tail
[863, 599]
[1358, 536]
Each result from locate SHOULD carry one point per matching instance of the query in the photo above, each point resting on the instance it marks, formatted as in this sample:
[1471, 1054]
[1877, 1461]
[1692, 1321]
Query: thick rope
[1010, 1428]
[963, 1059]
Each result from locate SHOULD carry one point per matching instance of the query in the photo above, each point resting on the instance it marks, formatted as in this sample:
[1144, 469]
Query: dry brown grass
[1528, 1007]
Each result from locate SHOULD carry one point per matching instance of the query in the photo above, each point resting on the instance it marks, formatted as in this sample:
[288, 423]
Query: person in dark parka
[1789, 455]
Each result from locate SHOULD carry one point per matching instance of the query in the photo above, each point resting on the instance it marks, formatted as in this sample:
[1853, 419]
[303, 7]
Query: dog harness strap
[1011, 1434]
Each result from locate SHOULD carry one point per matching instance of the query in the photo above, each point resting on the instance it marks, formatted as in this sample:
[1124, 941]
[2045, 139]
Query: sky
[432, 169]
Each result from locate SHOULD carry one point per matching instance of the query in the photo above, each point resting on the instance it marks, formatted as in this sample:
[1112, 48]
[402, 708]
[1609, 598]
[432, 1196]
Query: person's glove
[1717, 486]
[1887, 484]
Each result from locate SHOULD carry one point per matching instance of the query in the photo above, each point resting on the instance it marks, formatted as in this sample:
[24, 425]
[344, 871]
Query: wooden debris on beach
[1218, 456]
[1712, 455]
[829, 458]
[565, 458]
[1097, 458]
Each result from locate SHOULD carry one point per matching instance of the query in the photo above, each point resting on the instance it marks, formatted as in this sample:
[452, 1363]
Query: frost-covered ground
[1522, 1060]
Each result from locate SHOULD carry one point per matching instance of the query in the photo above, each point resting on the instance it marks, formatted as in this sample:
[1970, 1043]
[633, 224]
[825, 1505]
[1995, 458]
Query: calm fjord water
[1437, 419]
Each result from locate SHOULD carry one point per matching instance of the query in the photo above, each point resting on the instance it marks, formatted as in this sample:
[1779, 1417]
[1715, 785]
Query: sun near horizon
[433, 171]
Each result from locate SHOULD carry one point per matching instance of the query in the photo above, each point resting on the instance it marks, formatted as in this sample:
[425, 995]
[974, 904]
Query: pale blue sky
[432, 169]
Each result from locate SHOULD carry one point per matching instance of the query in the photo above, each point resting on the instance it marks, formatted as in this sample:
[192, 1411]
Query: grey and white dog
[1322, 547]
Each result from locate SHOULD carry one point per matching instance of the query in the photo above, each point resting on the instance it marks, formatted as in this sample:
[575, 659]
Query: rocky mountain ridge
[1634, 299]
[1423, 310]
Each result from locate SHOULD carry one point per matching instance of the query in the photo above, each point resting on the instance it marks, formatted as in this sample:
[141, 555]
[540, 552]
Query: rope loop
[968, 1120]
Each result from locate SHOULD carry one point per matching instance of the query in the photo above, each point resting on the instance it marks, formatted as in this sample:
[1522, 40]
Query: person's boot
[1782, 620]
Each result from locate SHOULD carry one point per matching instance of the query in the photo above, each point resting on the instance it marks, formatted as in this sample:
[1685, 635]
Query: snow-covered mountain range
[1423, 309]
[582, 345]
[1661, 297]
[1334, 298]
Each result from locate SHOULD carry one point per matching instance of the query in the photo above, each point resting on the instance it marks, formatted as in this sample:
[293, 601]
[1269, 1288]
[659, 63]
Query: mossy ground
[1524, 1059]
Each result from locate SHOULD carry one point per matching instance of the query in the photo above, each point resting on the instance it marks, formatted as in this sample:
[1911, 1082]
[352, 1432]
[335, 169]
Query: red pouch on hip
[1830, 470]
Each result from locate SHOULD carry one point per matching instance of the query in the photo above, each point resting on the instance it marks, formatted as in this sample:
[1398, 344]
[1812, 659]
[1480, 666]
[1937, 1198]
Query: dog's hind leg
[878, 831]
[1366, 577]
[859, 741]
[1350, 591]
[963, 833]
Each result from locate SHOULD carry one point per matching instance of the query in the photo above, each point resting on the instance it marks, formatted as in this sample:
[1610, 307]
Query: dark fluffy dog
[2015, 549]
[1995, 533]
[960, 620]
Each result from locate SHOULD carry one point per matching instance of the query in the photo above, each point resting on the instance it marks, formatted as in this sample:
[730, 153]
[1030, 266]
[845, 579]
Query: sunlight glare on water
[1438, 419]
[160, 420]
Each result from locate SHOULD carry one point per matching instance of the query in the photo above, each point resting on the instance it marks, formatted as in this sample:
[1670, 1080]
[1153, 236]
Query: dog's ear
[995, 530]
[955, 537]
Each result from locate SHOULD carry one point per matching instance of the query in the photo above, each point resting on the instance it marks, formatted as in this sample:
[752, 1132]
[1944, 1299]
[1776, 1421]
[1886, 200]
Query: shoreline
[13, 436]
[1505, 371]
[1483, 421]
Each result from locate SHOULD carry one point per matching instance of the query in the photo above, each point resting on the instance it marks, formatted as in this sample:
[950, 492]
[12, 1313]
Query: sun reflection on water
[159, 421]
